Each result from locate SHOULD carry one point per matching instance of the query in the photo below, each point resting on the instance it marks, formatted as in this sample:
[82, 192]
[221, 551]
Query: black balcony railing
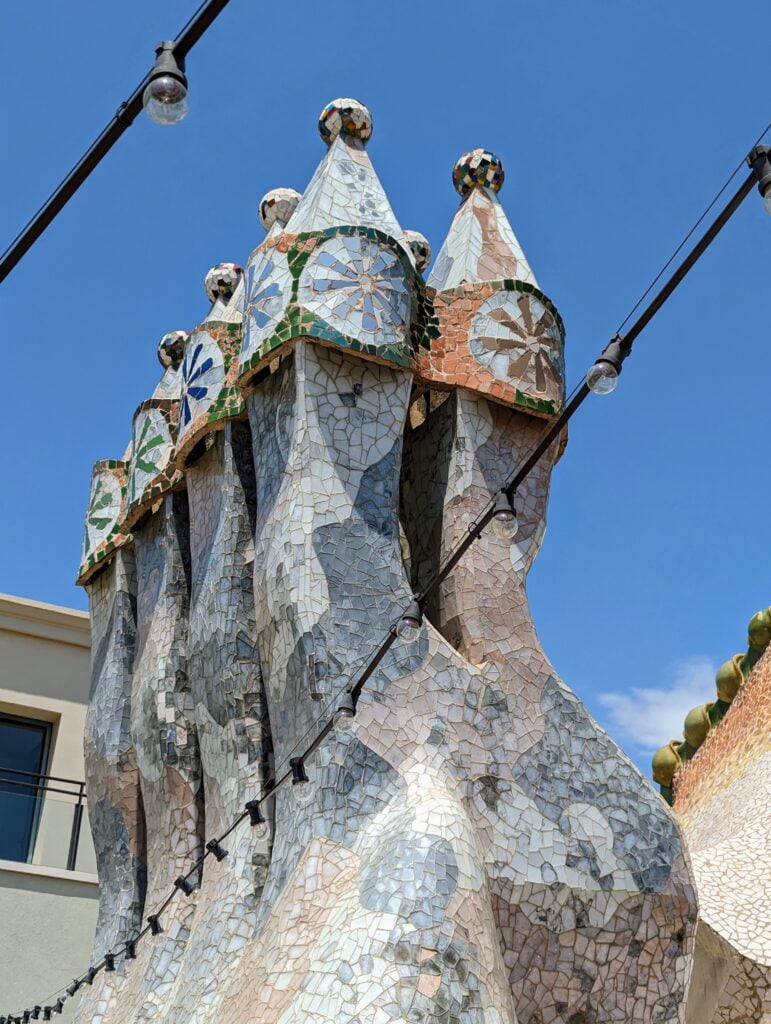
[36, 823]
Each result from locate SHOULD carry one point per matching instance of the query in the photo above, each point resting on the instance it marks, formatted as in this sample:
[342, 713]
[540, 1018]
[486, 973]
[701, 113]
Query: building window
[24, 747]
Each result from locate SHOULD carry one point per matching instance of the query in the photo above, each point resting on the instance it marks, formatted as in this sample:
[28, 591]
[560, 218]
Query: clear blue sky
[617, 120]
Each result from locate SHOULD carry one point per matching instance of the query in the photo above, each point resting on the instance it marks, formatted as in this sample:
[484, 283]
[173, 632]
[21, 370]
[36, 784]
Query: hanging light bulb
[73, 987]
[504, 520]
[342, 720]
[257, 819]
[165, 96]
[130, 950]
[155, 923]
[410, 622]
[109, 961]
[302, 790]
[602, 378]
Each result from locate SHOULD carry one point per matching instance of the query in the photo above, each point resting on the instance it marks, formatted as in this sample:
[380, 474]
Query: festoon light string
[501, 508]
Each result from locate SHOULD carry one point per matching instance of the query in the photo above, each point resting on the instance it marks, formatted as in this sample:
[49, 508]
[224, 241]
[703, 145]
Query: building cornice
[44, 621]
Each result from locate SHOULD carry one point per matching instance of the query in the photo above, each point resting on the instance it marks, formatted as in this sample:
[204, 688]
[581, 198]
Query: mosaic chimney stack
[471, 848]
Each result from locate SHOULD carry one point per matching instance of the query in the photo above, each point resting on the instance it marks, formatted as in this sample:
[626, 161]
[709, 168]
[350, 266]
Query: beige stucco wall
[47, 914]
[48, 920]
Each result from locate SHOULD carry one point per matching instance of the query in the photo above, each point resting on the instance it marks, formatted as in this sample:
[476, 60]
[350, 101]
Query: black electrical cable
[574, 401]
[123, 119]
[666, 266]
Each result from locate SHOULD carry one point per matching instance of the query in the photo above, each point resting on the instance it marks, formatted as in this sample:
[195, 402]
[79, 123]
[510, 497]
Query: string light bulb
[301, 790]
[130, 950]
[165, 97]
[504, 521]
[257, 818]
[409, 624]
[342, 720]
[155, 924]
[602, 377]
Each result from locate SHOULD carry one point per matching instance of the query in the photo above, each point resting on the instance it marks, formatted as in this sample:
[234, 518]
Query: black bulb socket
[759, 160]
[218, 851]
[185, 886]
[166, 63]
[256, 817]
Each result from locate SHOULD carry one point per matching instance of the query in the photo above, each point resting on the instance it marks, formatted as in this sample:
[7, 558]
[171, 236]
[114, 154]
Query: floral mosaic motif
[202, 374]
[103, 511]
[359, 288]
[268, 279]
[152, 447]
[517, 339]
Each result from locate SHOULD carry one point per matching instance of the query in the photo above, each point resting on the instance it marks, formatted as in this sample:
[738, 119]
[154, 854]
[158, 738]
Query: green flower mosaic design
[147, 452]
[103, 511]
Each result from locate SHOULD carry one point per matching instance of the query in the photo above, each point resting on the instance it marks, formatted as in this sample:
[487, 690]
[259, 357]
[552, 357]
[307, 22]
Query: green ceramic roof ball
[759, 629]
[729, 678]
[665, 763]
[697, 725]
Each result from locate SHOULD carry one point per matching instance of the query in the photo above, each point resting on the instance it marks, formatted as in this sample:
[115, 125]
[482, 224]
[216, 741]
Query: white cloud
[644, 719]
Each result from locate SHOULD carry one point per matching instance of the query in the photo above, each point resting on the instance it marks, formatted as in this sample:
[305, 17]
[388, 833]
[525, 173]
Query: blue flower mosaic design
[202, 375]
[267, 278]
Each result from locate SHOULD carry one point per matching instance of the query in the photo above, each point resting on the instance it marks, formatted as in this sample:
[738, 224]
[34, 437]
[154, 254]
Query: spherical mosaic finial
[171, 349]
[346, 117]
[478, 169]
[421, 250]
[277, 207]
[221, 281]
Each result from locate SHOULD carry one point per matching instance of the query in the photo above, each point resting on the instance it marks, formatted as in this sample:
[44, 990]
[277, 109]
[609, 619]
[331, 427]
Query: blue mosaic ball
[478, 169]
[345, 117]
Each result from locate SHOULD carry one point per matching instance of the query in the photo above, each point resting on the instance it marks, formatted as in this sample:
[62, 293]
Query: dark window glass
[23, 748]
